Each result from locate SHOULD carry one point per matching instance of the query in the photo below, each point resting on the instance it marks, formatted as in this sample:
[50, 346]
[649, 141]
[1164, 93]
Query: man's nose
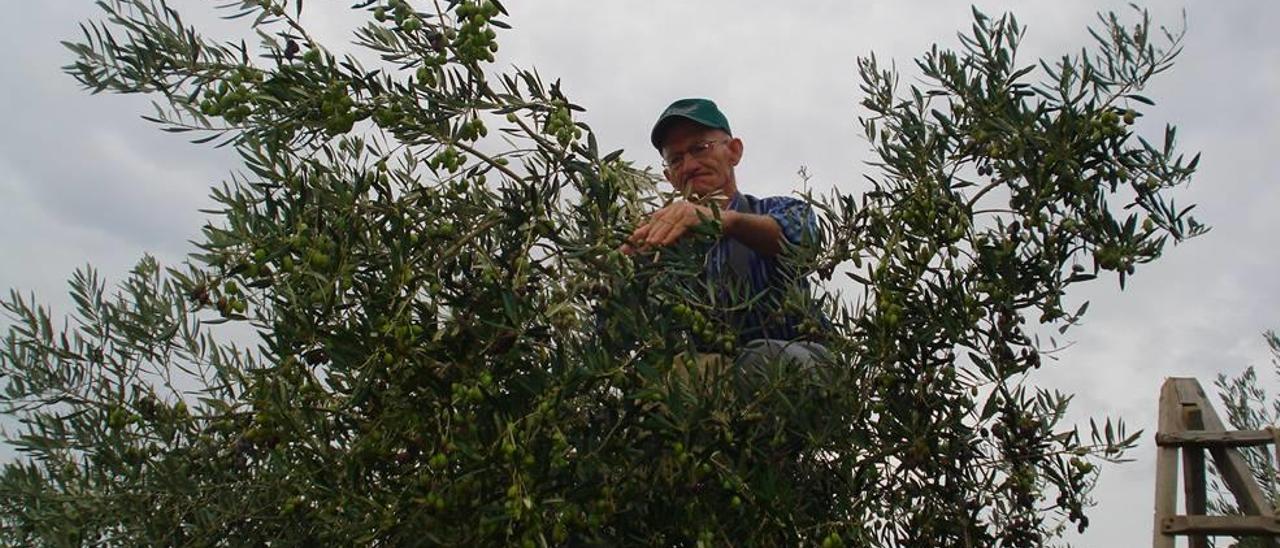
[686, 167]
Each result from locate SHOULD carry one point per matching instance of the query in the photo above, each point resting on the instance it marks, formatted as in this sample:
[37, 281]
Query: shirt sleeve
[796, 219]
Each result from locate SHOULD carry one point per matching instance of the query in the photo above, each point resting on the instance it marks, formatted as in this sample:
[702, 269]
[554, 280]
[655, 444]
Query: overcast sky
[84, 180]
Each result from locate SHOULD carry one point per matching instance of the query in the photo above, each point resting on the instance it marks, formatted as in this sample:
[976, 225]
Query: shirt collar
[735, 201]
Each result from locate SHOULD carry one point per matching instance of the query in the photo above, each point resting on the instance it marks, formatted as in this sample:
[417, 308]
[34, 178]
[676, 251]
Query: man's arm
[762, 233]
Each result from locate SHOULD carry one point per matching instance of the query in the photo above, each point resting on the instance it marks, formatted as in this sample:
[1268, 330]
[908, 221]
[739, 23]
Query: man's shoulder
[767, 203]
[794, 216]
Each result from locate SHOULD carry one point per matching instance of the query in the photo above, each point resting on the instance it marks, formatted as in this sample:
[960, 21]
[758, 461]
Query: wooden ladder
[1188, 423]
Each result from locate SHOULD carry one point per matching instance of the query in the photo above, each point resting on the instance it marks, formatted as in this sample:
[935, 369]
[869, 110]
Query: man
[699, 154]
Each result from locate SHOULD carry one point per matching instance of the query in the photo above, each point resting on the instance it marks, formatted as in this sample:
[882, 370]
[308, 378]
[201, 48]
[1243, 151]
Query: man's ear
[735, 150]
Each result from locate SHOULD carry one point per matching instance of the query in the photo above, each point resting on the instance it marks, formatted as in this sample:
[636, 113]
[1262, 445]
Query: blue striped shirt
[753, 287]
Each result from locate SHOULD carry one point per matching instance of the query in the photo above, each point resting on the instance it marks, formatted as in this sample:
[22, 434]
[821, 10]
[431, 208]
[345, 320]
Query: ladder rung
[1201, 438]
[1221, 525]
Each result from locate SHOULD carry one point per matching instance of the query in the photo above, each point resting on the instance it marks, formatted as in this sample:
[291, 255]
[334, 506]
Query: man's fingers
[665, 234]
[665, 226]
[687, 214]
[659, 232]
[636, 240]
[640, 234]
[674, 234]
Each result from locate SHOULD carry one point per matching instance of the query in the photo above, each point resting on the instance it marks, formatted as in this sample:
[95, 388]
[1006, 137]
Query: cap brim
[660, 129]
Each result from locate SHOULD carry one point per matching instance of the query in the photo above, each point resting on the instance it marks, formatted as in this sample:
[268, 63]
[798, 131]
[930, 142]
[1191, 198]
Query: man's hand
[667, 225]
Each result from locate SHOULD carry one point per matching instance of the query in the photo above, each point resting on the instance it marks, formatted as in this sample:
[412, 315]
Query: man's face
[702, 170]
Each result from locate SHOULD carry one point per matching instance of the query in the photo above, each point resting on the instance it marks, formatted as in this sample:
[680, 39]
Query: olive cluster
[336, 110]
[119, 417]
[472, 393]
[394, 115]
[266, 430]
[232, 300]
[313, 56]
[401, 12]
[1114, 257]
[832, 540]
[704, 329]
[396, 338]
[471, 129]
[809, 326]
[444, 229]
[271, 7]
[427, 72]
[448, 158]
[317, 256]
[242, 93]
[314, 255]
[983, 144]
[1081, 465]
[1080, 470]
[890, 308]
[387, 117]
[475, 38]
[258, 267]
[560, 124]
[233, 98]
[1107, 124]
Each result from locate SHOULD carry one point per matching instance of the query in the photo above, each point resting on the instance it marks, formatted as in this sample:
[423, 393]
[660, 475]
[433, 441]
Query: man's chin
[709, 192]
[699, 188]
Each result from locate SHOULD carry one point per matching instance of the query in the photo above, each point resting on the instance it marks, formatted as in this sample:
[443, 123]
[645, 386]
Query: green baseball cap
[702, 111]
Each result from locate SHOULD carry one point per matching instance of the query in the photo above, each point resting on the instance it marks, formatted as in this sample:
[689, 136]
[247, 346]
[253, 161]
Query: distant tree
[451, 349]
[1248, 407]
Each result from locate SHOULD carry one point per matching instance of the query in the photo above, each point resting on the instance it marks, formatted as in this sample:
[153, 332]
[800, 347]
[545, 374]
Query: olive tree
[452, 350]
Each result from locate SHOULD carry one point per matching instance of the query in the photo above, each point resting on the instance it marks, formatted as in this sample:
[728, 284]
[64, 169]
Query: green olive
[319, 260]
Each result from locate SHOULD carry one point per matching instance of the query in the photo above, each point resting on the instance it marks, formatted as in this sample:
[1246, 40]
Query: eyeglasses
[696, 150]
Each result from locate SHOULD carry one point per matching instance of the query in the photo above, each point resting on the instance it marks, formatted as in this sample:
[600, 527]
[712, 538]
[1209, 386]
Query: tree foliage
[1248, 407]
[451, 349]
